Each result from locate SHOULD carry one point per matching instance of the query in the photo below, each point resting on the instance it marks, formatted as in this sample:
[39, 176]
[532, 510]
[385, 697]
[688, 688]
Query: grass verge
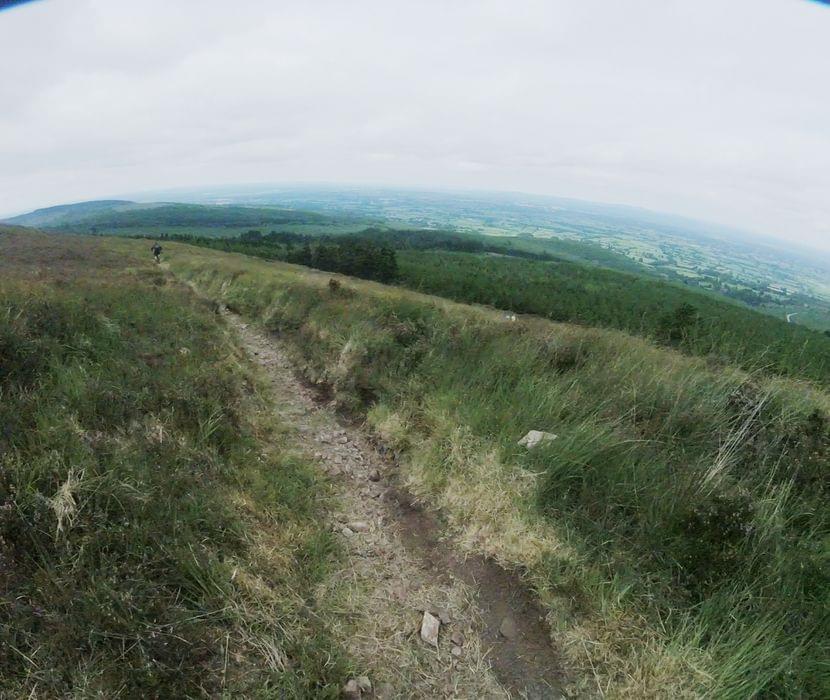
[157, 537]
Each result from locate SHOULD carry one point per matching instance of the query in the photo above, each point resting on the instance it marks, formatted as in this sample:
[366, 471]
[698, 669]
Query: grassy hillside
[157, 537]
[774, 278]
[524, 277]
[565, 291]
[677, 529]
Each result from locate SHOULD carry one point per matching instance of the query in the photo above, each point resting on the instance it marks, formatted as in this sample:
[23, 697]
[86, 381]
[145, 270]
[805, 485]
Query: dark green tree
[677, 325]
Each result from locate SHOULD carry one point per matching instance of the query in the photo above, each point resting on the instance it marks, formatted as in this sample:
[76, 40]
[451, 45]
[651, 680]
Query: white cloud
[709, 109]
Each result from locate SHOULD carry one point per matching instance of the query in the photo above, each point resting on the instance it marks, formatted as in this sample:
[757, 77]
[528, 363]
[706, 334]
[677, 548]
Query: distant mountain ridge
[62, 213]
[102, 215]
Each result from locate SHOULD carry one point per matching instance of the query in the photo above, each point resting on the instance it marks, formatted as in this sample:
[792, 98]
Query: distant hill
[68, 213]
[128, 218]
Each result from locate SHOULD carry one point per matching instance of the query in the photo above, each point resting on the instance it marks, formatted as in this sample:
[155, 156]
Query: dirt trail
[492, 641]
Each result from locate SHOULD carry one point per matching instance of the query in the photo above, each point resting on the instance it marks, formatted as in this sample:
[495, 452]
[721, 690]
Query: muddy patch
[515, 632]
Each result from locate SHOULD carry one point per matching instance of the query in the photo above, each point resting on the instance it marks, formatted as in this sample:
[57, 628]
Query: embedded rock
[534, 438]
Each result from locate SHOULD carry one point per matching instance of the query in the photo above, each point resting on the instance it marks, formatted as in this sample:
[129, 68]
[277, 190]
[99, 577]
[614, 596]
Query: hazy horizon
[711, 112]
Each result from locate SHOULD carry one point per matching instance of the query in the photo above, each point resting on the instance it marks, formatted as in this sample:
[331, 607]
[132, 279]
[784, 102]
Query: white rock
[429, 628]
[359, 526]
[535, 438]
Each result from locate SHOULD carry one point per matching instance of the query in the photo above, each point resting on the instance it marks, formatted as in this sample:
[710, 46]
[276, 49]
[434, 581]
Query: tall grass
[677, 527]
[697, 321]
[139, 472]
[562, 291]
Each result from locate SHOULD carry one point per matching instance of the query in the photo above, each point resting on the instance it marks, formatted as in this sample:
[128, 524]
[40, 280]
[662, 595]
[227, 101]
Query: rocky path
[491, 641]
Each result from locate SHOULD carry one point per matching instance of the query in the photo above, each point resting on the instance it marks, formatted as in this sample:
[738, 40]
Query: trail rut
[493, 642]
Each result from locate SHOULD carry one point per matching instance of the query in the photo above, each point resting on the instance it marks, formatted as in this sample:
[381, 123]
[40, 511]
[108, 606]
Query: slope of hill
[676, 529]
[67, 214]
[784, 282]
[774, 273]
[526, 277]
[696, 322]
[686, 315]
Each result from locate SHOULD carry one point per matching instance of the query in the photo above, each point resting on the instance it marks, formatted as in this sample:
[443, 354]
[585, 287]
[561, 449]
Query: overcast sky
[713, 109]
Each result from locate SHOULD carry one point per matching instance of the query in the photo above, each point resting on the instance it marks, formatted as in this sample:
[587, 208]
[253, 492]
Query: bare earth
[492, 641]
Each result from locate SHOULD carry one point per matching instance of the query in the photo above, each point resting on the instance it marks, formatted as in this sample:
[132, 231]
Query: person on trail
[156, 252]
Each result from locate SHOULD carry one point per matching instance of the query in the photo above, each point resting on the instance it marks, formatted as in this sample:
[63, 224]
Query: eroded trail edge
[492, 642]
